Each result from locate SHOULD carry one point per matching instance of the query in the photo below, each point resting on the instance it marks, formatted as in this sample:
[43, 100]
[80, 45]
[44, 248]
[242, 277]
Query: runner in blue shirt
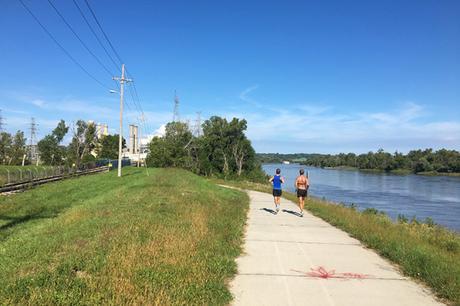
[277, 180]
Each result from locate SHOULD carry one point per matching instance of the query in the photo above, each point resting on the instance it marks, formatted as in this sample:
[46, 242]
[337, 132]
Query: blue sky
[309, 76]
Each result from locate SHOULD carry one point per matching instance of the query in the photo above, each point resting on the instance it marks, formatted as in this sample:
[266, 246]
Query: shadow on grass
[292, 212]
[23, 219]
[269, 210]
[132, 172]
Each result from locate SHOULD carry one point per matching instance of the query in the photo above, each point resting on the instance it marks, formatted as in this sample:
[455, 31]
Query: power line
[79, 39]
[140, 105]
[135, 97]
[61, 47]
[136, 100]
[96, 36]
[141, 122]
[103, 32]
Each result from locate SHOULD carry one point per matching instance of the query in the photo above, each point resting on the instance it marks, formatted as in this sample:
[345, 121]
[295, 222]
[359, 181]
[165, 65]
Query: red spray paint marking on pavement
[321, 272]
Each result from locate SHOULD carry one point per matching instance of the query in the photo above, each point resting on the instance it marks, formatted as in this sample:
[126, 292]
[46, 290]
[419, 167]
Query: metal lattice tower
[33, 137]
[176, 108]
[2, 124]
[197, 130]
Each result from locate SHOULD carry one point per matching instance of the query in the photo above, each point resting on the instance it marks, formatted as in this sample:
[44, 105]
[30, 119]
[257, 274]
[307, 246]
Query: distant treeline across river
[425, 161]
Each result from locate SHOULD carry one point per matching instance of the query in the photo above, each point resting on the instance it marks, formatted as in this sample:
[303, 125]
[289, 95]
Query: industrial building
[102, 129]
[137, 148]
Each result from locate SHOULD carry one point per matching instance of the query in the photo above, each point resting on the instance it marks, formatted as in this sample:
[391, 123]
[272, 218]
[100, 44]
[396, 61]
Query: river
[437, 197]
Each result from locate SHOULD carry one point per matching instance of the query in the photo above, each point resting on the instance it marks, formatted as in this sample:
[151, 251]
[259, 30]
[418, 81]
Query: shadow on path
[269, 210]
[292, 212]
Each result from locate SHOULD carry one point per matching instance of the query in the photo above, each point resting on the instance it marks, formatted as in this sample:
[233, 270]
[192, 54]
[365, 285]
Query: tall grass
[167, 238]
[426, 252]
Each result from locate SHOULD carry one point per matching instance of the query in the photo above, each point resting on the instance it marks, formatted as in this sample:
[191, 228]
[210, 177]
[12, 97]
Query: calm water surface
[437, 197]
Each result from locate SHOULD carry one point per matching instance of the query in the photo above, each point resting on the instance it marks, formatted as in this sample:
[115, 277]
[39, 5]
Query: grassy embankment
[167, 238]
[425, 252]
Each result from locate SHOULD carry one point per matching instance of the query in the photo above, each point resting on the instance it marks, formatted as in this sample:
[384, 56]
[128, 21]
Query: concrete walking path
[289, 260]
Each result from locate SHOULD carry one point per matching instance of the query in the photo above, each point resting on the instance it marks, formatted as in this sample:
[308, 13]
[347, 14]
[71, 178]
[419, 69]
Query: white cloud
[38, 102]
[322, 130]
[161, 131]
[84, 107]
[312, 109]
[244, 96]
[305, 127]
[67, 104]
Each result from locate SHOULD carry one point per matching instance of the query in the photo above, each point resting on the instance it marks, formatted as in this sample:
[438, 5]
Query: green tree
[171, 149]
[216, 142]
[400, 161]
[18, 148]
[383, 160]
[416, 160]
[226, 148]
[51, 151]
[108, 146]
[84, 141]
[422, 165]
[241, 148]
[222, 149]
[5, 147]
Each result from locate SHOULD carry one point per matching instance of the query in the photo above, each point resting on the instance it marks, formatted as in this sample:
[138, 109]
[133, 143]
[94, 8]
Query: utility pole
[122, 81]
[139, 142]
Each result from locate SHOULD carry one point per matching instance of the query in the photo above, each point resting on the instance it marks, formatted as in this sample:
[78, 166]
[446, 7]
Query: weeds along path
[289, 260]
[167, 238]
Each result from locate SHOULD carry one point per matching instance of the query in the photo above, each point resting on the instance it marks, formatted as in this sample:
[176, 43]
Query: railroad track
[40, 181]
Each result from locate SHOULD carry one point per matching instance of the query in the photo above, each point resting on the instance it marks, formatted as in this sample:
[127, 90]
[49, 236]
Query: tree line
[416, 161]
[222, 150]
[84, 146]
[279, 157]
[12, 148]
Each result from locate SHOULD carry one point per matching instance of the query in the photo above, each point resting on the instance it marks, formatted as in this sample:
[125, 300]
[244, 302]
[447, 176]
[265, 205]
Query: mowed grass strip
[427, 253]
[167, 238]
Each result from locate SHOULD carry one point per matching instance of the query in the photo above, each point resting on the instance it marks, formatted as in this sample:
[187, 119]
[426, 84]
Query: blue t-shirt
[277, 182]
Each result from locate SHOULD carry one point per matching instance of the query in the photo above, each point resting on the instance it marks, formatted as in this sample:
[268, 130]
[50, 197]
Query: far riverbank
[396, 171]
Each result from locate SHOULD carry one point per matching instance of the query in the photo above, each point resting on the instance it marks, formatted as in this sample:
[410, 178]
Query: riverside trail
[288, 260]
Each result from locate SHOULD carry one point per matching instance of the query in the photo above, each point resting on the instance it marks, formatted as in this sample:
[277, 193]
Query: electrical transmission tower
[33, 138]
[176, 108]
[197, 130]
[2, 124]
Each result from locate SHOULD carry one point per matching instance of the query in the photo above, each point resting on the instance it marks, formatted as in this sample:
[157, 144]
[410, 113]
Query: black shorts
[277, 192]
[301, 193]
